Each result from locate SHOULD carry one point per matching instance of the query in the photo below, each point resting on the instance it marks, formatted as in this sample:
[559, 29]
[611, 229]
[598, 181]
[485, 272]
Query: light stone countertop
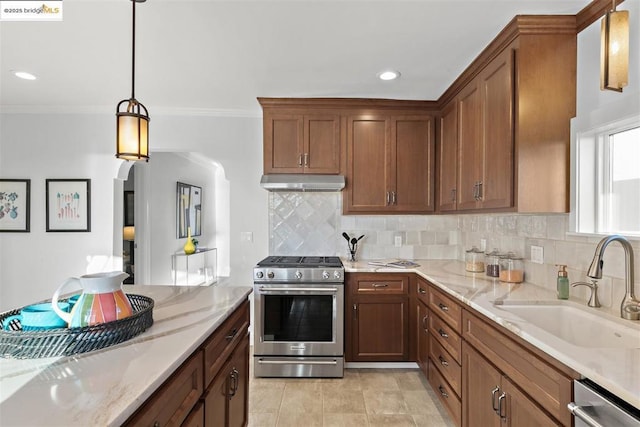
[615, 369]
[105, 387]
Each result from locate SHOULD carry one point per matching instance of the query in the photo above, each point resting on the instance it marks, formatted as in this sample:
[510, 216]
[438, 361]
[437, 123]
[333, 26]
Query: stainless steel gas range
[299, 317]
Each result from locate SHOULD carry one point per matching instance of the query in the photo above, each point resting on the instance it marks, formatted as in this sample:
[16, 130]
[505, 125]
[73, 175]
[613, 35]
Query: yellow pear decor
[189, 247]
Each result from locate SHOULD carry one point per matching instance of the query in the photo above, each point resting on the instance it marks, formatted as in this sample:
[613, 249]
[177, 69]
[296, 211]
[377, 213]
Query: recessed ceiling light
[24, 75]
[389, 75]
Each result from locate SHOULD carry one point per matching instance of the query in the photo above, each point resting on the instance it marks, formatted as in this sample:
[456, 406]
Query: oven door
[299, 319]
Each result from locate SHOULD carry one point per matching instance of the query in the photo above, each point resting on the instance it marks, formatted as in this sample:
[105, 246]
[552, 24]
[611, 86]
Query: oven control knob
[270, 275]
[325, 274]
[298, 275]
[336, 274]
[259, 274]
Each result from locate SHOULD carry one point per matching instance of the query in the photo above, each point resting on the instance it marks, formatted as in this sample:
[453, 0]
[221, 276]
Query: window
[608, 179]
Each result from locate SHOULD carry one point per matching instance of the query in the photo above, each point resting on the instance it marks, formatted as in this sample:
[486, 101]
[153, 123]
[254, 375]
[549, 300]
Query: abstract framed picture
[189, 210]
[15, 205]
[68, 204]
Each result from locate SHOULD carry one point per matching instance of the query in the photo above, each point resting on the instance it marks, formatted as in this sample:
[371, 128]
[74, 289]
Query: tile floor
[364, 397]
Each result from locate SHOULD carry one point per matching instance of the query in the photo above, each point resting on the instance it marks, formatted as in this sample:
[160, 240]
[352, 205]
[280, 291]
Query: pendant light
[614, 59]
[132, 127]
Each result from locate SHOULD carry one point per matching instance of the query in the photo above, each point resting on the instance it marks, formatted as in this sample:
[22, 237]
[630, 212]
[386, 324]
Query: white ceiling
[216, 57]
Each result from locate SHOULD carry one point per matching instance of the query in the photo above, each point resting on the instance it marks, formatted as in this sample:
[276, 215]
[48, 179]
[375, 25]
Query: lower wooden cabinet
[377, 318]
[227, 399]
[491, 399]
[211, 388]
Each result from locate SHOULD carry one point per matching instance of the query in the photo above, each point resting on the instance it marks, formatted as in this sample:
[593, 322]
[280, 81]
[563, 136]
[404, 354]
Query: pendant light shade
[132, 125]
[614, 58]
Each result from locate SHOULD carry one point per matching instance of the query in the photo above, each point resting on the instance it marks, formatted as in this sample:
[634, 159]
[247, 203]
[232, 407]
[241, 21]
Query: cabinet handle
[355, 311]
[380, 285]
[500, 400]
[422, 291]
[300, 159]
[388, 198]
[306, 159]
[493, 399]
[232, 334]
[443, 334]
[480, 190]
[393, 198]
[443, 307]
[234, 382]
[453, 195]
[424, 322]
[443, 362]
[156, 424]
[475, 191]
[442, 392]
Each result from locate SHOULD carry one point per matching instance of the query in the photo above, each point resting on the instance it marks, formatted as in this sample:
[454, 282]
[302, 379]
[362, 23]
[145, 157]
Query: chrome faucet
[630, 306]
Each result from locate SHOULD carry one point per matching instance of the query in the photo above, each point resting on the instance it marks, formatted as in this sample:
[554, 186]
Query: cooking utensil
[346, 236]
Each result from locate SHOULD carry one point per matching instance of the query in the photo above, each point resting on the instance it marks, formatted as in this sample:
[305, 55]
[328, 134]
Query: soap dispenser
[562, 282]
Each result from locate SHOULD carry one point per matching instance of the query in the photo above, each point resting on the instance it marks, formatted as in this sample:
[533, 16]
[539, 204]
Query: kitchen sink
[573, 323]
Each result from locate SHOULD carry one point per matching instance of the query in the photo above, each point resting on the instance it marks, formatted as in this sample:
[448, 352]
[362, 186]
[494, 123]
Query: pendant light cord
[133, 51]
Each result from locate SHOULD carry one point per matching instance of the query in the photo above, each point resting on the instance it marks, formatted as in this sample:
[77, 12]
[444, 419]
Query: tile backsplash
[312, 224]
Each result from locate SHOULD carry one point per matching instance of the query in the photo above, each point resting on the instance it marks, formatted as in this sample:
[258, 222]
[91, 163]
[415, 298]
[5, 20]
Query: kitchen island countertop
[615, 369]
[105, 387]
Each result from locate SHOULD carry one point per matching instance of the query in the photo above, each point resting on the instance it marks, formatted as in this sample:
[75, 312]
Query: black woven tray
[19, 344]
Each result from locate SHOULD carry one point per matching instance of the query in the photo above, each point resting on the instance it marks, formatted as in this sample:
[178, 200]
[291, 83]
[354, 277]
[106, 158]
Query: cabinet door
[215, 410]
[368, 164]
[522, 411]
[479, 379]
[380, 329]
[423, 337]
[321, 152]
[239, 387]
[412, 160]
[469, 145]
[496, 83]
[448, 158]
[283, 143]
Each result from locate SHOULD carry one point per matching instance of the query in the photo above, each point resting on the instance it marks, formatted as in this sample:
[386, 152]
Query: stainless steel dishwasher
[596, 407]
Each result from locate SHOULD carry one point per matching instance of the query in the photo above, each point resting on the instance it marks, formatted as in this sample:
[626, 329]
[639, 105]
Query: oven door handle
[579, 412]
[270, 289]
[297, 362]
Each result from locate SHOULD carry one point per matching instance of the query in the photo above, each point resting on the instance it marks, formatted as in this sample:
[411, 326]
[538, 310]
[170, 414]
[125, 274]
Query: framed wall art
[15, 205]
[68, 204]
[189, 210]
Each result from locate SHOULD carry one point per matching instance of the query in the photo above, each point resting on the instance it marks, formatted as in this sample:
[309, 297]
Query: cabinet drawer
[382, 286]
[446, 307]
[172, 403]
[446, 394]
[218, 347]
[422, 291]
[448, 367]
[550, 388]
[446, 336]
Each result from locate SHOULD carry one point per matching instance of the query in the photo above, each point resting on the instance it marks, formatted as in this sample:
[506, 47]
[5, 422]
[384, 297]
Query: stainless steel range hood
[302, 182]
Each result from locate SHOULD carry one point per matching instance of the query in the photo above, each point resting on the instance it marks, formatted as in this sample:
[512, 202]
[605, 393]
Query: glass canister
[493, 263]
[512, 269]
[474, 260]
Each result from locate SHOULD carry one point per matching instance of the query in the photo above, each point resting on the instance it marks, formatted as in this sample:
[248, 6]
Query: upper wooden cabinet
[390, 163]
[509, 116]
[301, 143]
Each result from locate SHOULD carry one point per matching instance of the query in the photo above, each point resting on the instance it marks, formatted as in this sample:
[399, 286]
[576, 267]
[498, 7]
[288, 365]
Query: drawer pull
[443, 392]
[443, 362]
[443, 307]
[156, 424]
[443, 334]
[422, 291]
[493, 399]
[380, 285]
[424, 322]
[500, 400]
[232, 334]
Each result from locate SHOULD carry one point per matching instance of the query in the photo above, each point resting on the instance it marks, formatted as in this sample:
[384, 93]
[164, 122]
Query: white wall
[40, 146]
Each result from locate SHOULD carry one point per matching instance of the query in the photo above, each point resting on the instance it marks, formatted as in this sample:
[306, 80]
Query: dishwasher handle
[579, 412]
